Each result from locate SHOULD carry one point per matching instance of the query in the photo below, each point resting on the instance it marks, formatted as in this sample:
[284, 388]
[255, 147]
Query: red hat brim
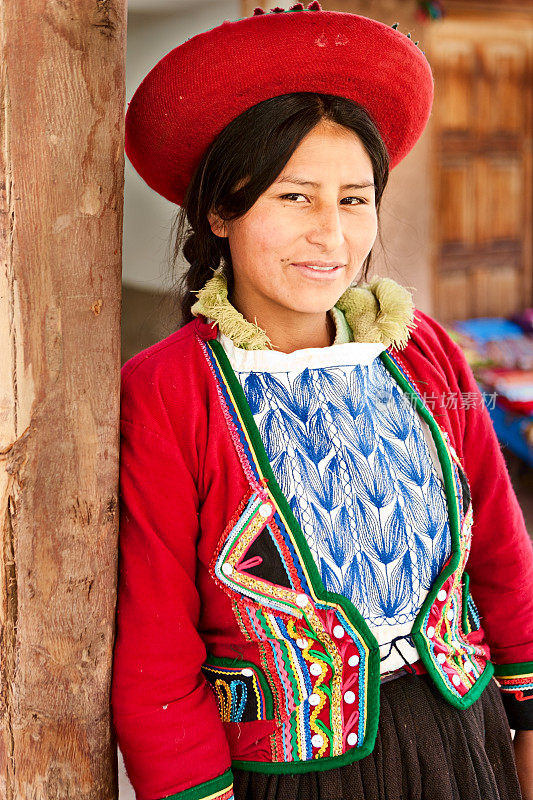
[194, 91]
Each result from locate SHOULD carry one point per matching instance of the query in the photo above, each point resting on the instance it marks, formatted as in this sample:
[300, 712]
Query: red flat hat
[194, 91]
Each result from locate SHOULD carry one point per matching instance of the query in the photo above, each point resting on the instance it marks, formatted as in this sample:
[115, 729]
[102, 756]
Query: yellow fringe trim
[379, 311]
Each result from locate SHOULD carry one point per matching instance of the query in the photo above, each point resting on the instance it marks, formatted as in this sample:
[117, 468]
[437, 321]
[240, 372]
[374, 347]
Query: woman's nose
[326, 229]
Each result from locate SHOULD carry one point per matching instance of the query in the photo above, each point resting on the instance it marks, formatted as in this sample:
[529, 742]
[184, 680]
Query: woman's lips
[317, 264]
[317, 274]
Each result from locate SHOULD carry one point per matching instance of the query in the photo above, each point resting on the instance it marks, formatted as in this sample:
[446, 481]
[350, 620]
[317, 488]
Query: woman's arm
[500, 564]
[500, 567]
[164, 712]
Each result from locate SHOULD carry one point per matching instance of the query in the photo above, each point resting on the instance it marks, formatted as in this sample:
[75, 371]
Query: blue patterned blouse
[360, 471]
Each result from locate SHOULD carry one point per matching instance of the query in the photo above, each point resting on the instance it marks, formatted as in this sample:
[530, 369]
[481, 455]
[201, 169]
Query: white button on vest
[353, 661]
[468, 666]
[302, 643]
[302, 600]
[442, 595]
[431, 632]
[450, 614]
[338, 631]
[314, 699]
[247, 672]
[456, 680]
[227, 569]
[265, 510]
[315, 669]
[317, 740]
[352, 739]
[441, 658]
[349, 698]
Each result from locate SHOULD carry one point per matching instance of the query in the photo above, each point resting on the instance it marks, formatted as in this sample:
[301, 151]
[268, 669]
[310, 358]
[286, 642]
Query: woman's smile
[318, 273]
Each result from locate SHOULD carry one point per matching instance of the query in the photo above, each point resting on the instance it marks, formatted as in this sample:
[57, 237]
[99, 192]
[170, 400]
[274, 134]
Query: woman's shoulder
[160, 356]
[431, 338]
[162, 382]
[433, 358]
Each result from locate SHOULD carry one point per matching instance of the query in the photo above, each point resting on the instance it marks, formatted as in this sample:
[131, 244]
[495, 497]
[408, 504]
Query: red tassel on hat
[297, 7]
[314, 6]
[258, 11]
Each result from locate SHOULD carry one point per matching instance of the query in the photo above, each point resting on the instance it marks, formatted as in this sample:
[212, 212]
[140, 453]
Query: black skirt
[426, 749]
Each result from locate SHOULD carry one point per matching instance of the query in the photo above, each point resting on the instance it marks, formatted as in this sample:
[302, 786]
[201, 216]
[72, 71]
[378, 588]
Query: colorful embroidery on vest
[305, 657]
[238, 690]
[308, 666]
[315, 644]
[458, 663]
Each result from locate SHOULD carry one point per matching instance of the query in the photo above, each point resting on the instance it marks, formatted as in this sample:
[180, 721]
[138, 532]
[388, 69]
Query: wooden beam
[62, 86]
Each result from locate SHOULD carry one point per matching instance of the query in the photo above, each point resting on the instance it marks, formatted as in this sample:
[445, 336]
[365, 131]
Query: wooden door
[482, 125]
[458, 210]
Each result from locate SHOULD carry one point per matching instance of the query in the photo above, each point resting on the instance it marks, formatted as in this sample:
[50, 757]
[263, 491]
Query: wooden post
[62, 84]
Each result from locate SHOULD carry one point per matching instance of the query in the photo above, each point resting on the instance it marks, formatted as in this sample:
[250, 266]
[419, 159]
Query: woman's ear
[218, 226]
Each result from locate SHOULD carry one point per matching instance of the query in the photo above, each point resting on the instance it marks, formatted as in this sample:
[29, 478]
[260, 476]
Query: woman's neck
[380, 311]
[290, 332]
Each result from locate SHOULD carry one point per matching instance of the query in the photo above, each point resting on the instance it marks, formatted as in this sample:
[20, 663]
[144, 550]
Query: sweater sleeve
[500, 565]
[164, 713]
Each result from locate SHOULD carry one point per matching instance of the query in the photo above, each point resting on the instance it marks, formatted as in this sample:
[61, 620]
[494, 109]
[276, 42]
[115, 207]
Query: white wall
[147, 215]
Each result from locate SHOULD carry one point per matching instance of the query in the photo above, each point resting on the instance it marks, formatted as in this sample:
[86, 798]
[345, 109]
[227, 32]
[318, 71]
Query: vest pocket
[241, 689]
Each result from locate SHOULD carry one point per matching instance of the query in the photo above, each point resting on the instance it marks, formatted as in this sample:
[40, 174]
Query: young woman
[326, 584]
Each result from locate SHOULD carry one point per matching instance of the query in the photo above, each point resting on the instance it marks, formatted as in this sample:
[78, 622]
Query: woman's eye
[360, 200]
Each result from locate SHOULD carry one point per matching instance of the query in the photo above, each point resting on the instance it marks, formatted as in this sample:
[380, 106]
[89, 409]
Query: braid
[204, 252]
[203, 260]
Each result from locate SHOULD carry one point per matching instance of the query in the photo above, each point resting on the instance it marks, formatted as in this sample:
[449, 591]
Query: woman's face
[312, 214]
